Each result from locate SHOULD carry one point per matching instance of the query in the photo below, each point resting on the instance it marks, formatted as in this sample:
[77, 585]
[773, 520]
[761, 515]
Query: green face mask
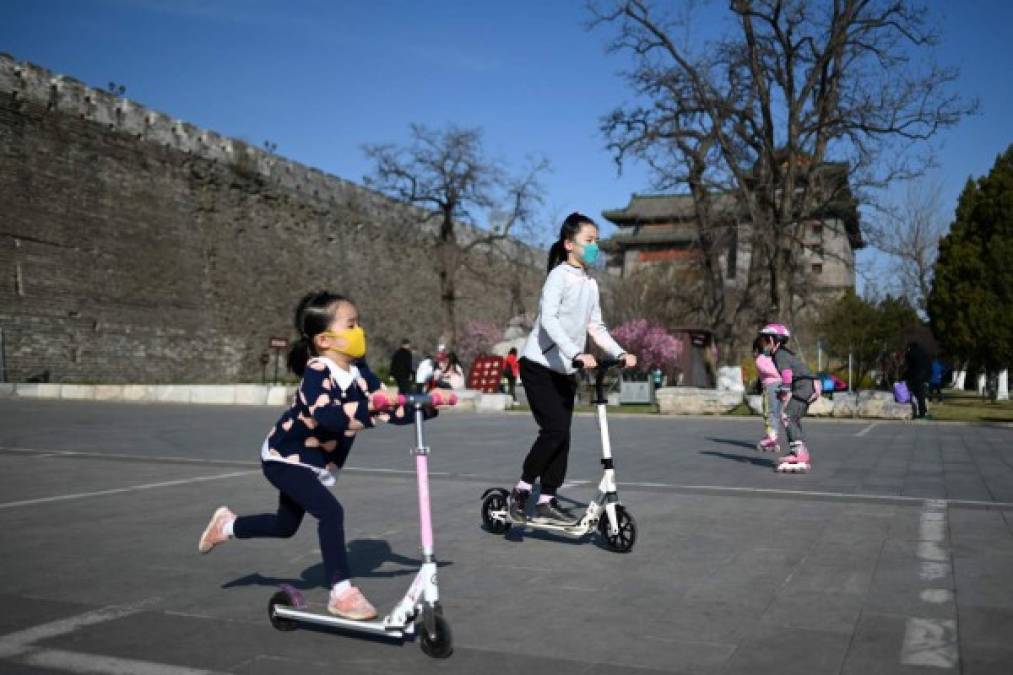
[589, 253]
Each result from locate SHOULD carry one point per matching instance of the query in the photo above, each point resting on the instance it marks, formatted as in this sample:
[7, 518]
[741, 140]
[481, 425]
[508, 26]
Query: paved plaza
[894, 556]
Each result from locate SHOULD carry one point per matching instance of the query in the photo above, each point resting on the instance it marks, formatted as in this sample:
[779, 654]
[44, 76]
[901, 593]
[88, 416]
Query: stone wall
[135, 247]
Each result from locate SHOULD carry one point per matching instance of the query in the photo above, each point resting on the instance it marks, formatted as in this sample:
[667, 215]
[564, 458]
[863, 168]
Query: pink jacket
[767, 371]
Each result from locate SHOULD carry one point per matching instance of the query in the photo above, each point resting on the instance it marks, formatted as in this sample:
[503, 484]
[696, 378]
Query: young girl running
[798, 390]
[313, 437]
[568, 312]
[770, 382]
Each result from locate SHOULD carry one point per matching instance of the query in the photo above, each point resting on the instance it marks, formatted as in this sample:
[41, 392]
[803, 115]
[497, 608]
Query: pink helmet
[776, 330]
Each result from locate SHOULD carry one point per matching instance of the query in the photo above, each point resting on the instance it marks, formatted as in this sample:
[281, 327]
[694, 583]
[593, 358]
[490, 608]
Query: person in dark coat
[917, 372]
[401, 367]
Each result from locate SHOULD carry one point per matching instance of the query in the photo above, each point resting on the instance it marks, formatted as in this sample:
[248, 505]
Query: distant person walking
[917, 372]
[511, 371]
[402, 367]
[936, 380]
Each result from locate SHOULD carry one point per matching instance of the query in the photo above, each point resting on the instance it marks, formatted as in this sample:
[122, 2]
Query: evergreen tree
[971, 303]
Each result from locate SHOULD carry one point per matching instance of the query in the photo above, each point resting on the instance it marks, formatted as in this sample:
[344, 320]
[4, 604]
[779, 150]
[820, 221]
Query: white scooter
[420, 607]
[605, 513]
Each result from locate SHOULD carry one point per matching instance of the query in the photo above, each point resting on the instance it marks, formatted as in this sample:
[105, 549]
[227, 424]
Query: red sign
[279, 343]
[486, 373]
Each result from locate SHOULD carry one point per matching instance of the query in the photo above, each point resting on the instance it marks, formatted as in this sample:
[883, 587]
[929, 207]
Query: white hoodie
[568, 312]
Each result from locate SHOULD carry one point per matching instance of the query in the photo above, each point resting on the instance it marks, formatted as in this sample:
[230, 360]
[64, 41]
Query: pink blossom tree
[653, 346]
[476, 338]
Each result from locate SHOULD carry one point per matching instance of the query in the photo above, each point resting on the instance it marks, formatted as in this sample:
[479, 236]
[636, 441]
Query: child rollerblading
[770, 382]
[799, 388]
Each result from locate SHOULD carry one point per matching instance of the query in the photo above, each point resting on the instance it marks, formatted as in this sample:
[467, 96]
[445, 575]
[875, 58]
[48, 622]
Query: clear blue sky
[320, 78]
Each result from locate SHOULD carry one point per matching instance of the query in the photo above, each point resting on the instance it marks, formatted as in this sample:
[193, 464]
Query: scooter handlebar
[382, 400]
[603, 364]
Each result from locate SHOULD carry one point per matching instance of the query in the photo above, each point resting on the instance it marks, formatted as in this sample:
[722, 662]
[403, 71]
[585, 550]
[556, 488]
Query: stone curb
[207, 394]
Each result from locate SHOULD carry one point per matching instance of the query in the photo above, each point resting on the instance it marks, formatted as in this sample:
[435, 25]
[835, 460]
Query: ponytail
[313, 315]
[299, 355]
[567, 232]
[557, 255]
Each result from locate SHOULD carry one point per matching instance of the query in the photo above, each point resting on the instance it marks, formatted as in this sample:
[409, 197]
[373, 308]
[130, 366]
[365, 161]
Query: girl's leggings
[771, 410]
[300, 491]
[550, 395]
[795, 409]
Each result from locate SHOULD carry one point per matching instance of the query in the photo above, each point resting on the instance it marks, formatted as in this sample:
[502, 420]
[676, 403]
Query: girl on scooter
[569, 311]
[314, 436]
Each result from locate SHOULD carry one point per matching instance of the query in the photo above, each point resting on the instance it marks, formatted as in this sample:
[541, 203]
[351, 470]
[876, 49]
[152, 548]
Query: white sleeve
[424, 372]
[548, 309]
[600, 333]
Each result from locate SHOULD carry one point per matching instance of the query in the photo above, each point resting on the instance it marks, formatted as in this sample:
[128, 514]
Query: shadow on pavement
[365, 556]
[736, 443]
[757, 461]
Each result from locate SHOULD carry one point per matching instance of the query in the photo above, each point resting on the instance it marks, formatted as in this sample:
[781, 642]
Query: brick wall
[137, 248]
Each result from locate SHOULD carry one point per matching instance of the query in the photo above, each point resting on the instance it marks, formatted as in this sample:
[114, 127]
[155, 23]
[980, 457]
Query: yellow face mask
[355, 341]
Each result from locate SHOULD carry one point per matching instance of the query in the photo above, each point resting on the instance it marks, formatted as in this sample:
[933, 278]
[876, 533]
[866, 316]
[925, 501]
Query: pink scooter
[420, 607]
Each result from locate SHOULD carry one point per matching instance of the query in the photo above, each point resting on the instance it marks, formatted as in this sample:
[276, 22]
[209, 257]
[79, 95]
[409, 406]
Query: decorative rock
[880, 408]
[821, 407]
[730, 379]
[696, 401]
[845, 405]
[755, 403]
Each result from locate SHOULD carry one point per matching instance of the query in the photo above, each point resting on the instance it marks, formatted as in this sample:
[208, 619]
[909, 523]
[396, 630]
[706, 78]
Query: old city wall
[138, 248]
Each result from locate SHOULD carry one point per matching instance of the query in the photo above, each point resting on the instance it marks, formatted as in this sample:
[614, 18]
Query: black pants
[917, 388]
[550, 395]
[300, 491]
[404, 384]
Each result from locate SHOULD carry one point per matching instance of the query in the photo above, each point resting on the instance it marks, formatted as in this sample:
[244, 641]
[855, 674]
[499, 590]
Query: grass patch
[965, 406]
[741, 410]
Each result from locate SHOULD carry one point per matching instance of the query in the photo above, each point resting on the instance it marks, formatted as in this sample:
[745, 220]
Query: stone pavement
[894, 556]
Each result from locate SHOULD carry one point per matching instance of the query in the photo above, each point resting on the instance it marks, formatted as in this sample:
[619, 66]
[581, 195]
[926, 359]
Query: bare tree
[909, 232]
[799, 107]
[468, 204]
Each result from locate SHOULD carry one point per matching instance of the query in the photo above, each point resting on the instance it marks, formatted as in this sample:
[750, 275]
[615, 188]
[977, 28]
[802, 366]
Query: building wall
[829, 248]
[138, 248]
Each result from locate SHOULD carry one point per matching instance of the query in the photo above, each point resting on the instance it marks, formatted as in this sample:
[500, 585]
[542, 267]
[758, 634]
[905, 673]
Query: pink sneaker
[214, 533]
[769, 444]
[796, 461]
[351, 604]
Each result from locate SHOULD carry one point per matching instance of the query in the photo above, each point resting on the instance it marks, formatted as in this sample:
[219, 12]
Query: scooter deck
[375, 627]
[574, 528]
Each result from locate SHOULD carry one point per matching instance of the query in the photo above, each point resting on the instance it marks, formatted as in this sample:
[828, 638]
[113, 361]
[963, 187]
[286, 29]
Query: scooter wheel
[623, 541]
[442, 645]
[280, 599]
[495, 501]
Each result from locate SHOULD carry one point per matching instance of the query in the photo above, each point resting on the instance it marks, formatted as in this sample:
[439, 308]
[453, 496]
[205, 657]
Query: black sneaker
[518, 504]
[552, 512]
